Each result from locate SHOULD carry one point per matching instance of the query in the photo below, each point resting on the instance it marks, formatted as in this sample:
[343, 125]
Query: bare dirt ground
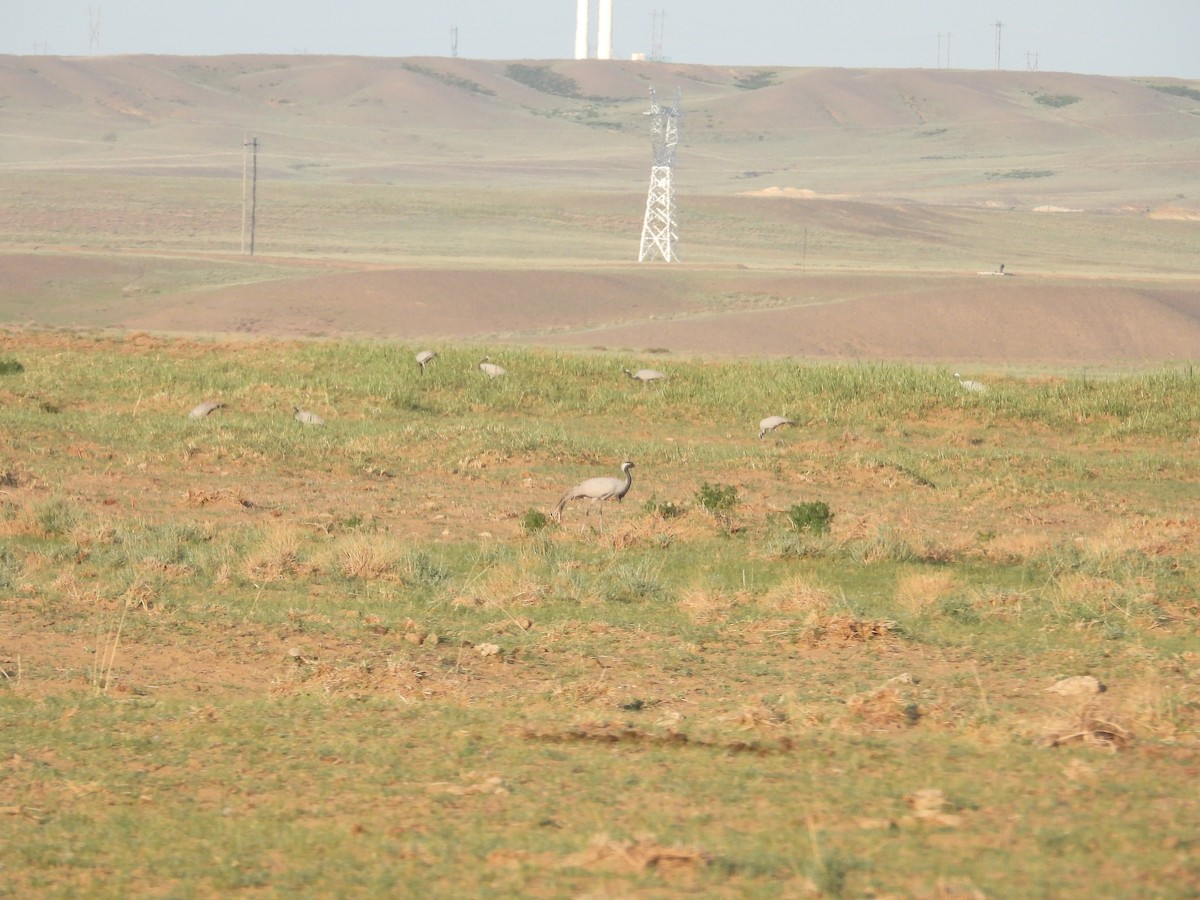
[918, 317]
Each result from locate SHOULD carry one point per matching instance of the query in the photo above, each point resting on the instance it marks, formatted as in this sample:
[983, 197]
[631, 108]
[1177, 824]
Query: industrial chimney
[581, 29]
[604, 30]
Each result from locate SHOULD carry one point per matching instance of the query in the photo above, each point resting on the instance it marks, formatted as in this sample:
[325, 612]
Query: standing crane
[974, 387]
[600, 489]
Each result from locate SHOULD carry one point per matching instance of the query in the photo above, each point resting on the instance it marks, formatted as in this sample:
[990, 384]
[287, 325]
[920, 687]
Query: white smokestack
[604, 33]
[581, 29]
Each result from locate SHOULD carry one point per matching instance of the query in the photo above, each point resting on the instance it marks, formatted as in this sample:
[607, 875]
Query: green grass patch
[243, 656]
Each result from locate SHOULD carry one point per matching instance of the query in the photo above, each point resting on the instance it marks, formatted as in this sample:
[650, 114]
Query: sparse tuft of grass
[56, 517]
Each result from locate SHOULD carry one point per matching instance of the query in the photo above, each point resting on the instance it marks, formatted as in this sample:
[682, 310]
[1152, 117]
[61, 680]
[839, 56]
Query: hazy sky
[1108, 37]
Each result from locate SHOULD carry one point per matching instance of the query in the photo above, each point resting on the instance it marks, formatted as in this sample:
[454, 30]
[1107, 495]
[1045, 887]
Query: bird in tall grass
[304, 417]
[424, 358]
[645, 375]
[973, 387]
[491, 369]
[600, 490]
[770, 423]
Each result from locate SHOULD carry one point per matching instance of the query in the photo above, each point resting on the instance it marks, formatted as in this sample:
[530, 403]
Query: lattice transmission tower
[660, 230]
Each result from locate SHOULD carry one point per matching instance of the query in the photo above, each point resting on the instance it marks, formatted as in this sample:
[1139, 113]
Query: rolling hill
[825, 212]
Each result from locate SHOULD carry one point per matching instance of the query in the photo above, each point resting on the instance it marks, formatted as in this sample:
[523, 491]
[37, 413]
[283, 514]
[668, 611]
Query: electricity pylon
[660, 231]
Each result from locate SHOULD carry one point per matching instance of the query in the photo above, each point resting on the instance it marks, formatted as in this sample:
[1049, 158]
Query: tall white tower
[660, 231]
[604, 26]
[581, 29]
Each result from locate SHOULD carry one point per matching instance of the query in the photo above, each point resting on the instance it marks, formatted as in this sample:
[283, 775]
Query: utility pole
[93, 30]
[660, 231]
[1031, 60]
[999, 27]
[658, 18]
[249, 183]
[947, 36]
[453, 41]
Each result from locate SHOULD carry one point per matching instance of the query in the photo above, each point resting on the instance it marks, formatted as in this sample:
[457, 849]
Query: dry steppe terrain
[823, 213]
[929, 642]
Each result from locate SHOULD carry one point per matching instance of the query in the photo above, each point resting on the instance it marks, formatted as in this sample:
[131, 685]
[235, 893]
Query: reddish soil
[967, 318]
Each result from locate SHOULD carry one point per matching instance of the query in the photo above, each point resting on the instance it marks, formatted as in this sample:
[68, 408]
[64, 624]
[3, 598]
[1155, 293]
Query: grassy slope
[241, 654]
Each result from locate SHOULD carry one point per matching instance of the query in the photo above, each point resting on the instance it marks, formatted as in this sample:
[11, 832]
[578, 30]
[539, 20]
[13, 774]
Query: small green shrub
[534, 521]
[717, 498]
[664, 509]
[10, 366]
[814, 516]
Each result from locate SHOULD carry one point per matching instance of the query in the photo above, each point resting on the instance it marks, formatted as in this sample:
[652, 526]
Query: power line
[250, 183]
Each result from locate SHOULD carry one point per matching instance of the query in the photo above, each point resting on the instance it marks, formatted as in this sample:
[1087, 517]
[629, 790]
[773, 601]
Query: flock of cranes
[596, 490]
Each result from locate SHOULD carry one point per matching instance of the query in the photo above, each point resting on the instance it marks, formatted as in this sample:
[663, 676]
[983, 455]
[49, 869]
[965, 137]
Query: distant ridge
[1035, 138]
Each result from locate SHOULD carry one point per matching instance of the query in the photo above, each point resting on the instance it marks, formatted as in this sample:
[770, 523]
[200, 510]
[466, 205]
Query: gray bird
[645, 375]
[770, 423]
[974, 387]
[490, 369]
[205, 408]
[424, 358]
[597, 490]
[304, 417]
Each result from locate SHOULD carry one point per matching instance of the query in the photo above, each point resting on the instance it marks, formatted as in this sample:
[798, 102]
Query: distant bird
[645, 375]
[424, 358]
[304, 417]
[598, 489]
[974, 387]
[770, 423]
[205, 408]
[490, 369]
